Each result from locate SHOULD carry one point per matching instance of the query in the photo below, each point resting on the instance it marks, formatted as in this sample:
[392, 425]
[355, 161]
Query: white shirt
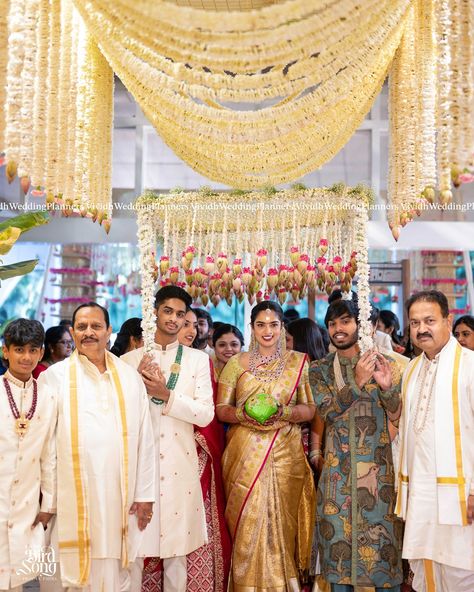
[424, 537]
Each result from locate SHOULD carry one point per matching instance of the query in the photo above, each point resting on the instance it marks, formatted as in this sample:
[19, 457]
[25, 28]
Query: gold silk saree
[269, 484]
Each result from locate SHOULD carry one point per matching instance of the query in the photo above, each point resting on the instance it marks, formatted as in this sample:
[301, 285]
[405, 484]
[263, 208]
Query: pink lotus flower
[466, 178]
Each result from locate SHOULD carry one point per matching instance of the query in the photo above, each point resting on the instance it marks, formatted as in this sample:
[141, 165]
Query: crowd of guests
[293, 462]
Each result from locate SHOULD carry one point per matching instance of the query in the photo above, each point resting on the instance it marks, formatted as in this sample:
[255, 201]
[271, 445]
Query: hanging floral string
[58, 116]
[4, 10]
[147, 246]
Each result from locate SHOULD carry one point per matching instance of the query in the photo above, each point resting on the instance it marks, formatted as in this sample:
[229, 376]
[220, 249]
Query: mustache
[88, 339]
[419, 335]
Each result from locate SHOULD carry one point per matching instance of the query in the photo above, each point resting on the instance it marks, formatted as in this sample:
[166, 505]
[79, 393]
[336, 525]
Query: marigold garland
[221, 246]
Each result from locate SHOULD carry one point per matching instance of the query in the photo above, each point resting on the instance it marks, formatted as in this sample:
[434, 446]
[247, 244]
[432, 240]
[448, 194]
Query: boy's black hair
[22, 332]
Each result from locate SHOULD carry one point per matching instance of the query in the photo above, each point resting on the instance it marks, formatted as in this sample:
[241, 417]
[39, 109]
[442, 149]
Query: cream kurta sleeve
[198, 410]
[145, 480]
[48, 466]
[48, 453]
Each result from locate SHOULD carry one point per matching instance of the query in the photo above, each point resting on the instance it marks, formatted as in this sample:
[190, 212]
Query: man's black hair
[92, 305]
[203, 314]
[340, 308]
[429, 296]
[168, 292]
[22, 332]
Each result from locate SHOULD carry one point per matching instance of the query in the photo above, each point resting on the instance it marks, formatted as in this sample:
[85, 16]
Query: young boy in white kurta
[27, 456]
[177, 404]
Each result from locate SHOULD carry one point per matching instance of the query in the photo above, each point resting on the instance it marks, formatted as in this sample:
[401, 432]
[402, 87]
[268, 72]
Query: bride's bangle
[286, 413]
[239, 414]
[315, 454]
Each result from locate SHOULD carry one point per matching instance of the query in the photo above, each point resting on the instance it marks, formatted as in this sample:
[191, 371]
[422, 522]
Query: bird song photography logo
[39, 562]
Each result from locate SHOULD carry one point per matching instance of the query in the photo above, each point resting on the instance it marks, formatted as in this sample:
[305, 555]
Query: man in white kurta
[178, 526]
[436, 483]
[27, 460]
[105, 459]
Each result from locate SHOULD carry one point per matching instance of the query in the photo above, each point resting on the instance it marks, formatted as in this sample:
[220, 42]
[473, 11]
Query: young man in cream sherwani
[436, 479]
[106, 462]
[27, 455]
[178, 382]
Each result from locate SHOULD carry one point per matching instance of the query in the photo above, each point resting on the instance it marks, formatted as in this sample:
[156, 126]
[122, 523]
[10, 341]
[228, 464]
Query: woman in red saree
[269, 485]
[207, 567]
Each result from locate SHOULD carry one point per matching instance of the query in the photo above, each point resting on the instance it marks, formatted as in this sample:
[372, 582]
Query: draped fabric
[269, 484]
[245, 112]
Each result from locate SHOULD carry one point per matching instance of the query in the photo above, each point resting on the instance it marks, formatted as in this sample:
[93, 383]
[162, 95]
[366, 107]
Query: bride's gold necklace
[257, 360]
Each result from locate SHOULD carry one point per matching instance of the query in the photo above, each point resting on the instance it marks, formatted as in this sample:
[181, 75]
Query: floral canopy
[249, 97]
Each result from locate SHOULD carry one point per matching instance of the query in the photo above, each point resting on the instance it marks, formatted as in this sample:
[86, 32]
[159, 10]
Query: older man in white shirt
[106, 458]
[178, 382]
[436, 479]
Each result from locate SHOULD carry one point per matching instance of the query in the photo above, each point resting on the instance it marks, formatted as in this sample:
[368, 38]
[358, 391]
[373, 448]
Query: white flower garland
[4, 10]
[363, 289]
[16, 54]
[31, 19]
[147, 246]
[65, 98]
[40, 96]
[444, 123]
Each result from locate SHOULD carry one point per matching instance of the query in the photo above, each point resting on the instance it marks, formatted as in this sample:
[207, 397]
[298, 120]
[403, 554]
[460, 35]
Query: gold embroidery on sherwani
[269, 485]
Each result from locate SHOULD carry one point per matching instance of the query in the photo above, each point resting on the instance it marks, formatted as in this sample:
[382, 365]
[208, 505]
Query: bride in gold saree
[268, 482]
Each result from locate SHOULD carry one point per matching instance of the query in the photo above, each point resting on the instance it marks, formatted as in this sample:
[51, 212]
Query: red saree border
[297, 381]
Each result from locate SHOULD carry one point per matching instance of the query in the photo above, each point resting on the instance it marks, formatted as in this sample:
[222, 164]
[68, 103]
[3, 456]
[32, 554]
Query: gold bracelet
[239, 414]
[286, 413]
[315, 453]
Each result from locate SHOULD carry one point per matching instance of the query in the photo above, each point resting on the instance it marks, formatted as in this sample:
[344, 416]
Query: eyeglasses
[66, 342]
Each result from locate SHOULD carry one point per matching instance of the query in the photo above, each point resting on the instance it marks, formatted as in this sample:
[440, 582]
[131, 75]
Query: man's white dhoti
[447, 545]
[105, 463]
[430, 576]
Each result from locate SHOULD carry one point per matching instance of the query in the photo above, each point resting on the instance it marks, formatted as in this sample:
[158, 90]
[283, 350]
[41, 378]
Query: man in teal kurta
[359, 537]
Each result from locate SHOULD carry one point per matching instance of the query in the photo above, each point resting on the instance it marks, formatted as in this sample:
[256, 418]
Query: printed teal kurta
[359, 537]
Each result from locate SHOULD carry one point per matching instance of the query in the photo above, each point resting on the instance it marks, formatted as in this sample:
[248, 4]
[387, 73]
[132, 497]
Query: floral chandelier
[254, 245]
